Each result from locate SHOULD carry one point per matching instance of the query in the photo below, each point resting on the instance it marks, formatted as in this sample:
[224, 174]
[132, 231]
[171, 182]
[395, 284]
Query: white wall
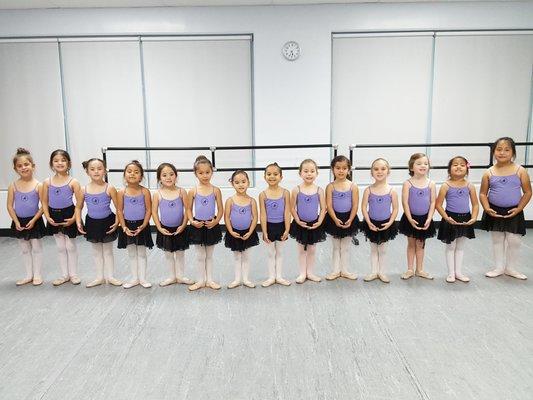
[292, 100]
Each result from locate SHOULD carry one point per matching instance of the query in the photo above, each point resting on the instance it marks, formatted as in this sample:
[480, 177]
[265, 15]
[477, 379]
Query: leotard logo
[307, 199]
[341, 195]
[205, 202]
[379, 199]
[460, 192]
[24, 197]
[133, 200]
[57, 191]
[420, 193]
[274, 205]
[242, 211]
[503, 180]
[171, 204]
[95, 200]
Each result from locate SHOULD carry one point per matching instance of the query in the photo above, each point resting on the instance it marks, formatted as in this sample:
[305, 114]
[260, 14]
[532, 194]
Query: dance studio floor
[331, 340]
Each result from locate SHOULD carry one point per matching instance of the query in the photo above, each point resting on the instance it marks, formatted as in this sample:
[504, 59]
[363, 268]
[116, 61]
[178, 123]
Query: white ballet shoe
[60, 281]
[129, 285]
[213, 285]
[301, 279]
[450, 279]
[234, 284]
[383, 278]
[96, 282]
[268, 282]
[349, 275]
[515, 274]
[114, 281]
[314, 278]
[24, 281]
[75, 280]
[407, 274]
[370, 277]
[145, 284]
[423, 274]
[167, 282]
[249, 284]
[494, 273]
[283, 282]
[196, 286]
[333, 275]
[462, 278]
[184, 280]
[37, 281]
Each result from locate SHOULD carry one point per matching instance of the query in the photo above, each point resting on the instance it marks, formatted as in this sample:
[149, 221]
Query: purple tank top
[26, 203]
[342, 201]
[458, 199]
[204, 207]
[275, 209]
[134, 207]
[379, 206]
[505, 191]
[307, 206]
[241, 216]
[171, 212]
[419, 200]
[98, 205]
[60, 196]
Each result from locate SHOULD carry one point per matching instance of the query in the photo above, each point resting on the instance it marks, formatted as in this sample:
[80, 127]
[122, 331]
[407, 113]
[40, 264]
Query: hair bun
[22, 150]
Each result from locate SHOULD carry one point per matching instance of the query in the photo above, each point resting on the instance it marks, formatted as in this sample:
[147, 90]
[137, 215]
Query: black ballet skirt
[144, 238]
[516, 224]
[238, 244]
[307, 236]
[339, 233]
[60, 215]
[173, 243]
[408, 230]
[37, 232]
[275, 230]
[449, 232]
[204, 236]
[379, 237]
[96, 229]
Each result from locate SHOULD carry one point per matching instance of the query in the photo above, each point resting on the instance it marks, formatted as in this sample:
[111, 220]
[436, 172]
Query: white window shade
[380, 94]
[31, 112]
[482, 92]
[198, 93]
[103, 95]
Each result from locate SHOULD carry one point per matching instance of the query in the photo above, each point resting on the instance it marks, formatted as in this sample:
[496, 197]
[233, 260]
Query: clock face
[291, 51]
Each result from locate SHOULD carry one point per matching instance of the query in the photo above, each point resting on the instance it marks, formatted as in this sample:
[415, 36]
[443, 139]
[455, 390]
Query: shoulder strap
[15, 186]
[490, 171]
[518, 169]
[410, 183]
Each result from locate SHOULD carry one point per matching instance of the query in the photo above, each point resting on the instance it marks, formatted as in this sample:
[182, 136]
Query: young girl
[418, 200]
[505, 191]
[58, 209]
[168, 212]
[342, 200]
[380, 208]
[274, 203]
[457, 222]
[240, 216]
[100, 223]
[205, 232]
[308, 208]
[134, 211]
[23, 208]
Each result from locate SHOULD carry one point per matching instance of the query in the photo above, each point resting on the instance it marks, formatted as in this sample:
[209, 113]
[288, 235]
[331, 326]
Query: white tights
[341, 253]
[175, 263]
[67, 253]
[378, 258]
[204, 258]
[103, 256]
[242, 265]
[502, 260]
[32, 254]
[137, 256]
[454, 257]
[306, 259]
[275, 259]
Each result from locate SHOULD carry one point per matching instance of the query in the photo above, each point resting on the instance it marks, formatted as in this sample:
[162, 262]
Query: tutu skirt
[60, 215]
[449, 232]
[339, 233]
[515, 224]
[275, 230]
[173, 243]
[144, 238]
[204, 236]
[96, 229]
[37, 232]
[408, 230]
[379, 237]
[238, 244]
[307, 236]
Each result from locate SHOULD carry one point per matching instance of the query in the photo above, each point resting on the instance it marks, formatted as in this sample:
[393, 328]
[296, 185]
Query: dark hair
[85, 164]
[307, 160]
[22, 152]
[455, 158]
[201, 159]
[412, 160]
[510, 142]
[165, 165]
[274, 164]
[60, 152]
[137, 164]
[238, 172]
[340, 159]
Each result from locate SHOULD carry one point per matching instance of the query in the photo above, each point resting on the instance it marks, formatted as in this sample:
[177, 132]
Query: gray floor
[333, 340]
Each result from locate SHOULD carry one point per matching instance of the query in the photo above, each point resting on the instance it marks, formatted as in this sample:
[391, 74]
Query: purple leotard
[342, 201]
[307, 206]
[458, 199]
[379, 206]
[171, 212]
[275, 209]
[60, 196]
[419, 200]
[505, 191]
[26, 203]
[204, 207]
[134, 207]
[241, 216]
[98, 205]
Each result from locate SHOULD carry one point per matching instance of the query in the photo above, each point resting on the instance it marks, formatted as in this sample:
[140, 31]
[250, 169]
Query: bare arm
[79, 208]
[475, 204]
[227, 219]
[526, 196]
[44, 202]
[11, 209]
[287, 215]
[440, 201]
[254, 220]
[220, 209]
[355, 204]
[322, 215]
[263, 216]
[185, 200]
[114, 199]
